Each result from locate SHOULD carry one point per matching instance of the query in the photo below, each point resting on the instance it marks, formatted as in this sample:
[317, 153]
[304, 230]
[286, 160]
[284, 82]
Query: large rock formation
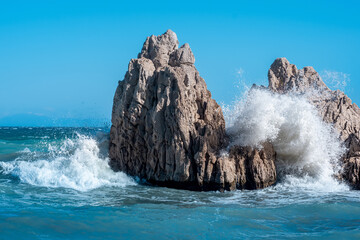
[168, 130]
[333, 106]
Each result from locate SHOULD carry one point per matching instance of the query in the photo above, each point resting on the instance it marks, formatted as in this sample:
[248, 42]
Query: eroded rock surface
[255, 168]
[333, 106]
[168, 130]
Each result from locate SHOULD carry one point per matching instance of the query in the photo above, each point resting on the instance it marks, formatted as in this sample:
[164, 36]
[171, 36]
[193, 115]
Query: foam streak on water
[308, 150]
[75, 164]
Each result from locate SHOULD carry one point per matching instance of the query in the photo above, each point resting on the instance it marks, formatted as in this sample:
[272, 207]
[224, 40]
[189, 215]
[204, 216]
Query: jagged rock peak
[166, 128]
[160, 49]
[285, 77]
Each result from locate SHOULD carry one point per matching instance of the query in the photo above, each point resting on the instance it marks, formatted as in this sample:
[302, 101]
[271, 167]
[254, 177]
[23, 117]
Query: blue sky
[60, 61]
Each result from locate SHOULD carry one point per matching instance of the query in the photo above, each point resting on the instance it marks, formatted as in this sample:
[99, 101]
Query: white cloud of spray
[307, 149]
[335, 80]
[240, 72]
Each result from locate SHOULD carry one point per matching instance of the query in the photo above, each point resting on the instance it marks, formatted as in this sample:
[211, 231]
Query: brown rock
[168, 130]
[246, 168]
[352, 161]
[285, 77]
[255, 169]
[333, 106]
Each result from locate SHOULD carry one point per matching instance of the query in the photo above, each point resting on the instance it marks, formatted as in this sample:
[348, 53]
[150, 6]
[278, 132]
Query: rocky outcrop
[168, 130]
[285, 77]
[352, 161]
[255, 168]
[166, 127]
[333, 106]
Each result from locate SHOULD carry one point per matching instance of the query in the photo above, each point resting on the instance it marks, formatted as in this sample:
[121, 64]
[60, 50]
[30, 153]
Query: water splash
[336, 80]
[308, 150]
[75, 163]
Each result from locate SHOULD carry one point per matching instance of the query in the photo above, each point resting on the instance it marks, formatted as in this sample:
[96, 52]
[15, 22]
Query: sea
[56, 183]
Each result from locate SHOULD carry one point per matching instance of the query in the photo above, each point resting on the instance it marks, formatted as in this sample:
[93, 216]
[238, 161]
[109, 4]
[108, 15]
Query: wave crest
[76, 163]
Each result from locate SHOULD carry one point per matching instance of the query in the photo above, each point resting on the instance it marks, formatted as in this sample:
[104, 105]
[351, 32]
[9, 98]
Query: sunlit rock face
[166, 128]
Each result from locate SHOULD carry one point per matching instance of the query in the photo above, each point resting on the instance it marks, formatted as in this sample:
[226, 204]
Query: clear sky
[60, 61]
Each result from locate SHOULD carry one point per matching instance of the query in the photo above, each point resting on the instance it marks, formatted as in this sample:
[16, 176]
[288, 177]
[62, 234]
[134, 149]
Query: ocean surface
[55, 183]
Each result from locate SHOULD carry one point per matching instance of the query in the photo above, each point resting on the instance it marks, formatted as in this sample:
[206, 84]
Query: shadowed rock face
[255, 169]
[168, 130]
[333, 106]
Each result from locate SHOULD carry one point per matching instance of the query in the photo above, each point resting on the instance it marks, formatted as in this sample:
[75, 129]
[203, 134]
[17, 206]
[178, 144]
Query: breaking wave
[308, 150]
[75, 163]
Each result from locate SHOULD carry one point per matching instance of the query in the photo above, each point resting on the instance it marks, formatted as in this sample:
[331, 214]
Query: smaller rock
[285, 77]
[334, 107]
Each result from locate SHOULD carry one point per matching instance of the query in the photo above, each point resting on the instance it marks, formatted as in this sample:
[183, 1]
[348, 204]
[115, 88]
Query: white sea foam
[308, 150]
[25, 150]
[75, 164]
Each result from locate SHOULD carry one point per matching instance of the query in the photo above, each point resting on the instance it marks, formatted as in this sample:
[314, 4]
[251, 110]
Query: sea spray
[75, 163]
[308, 150]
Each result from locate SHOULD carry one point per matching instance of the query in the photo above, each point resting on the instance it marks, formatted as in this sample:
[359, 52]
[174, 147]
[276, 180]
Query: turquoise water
[55, 184]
